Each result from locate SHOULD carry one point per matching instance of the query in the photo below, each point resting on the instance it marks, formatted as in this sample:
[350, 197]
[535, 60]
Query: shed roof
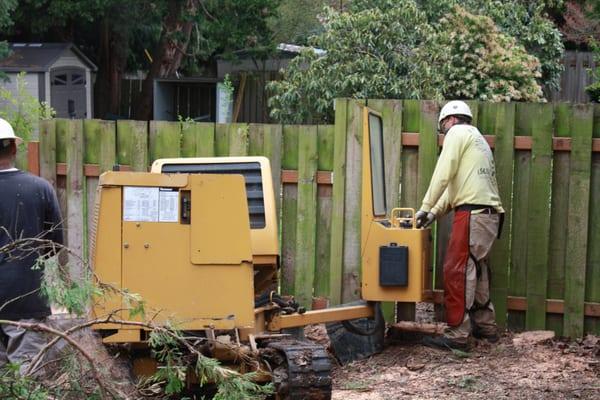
[39, 57]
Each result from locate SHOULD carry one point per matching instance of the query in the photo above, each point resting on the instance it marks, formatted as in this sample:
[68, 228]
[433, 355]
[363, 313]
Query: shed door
[68, 92]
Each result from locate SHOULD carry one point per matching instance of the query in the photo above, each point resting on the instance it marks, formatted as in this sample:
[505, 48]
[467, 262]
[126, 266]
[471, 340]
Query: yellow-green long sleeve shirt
[464, 173]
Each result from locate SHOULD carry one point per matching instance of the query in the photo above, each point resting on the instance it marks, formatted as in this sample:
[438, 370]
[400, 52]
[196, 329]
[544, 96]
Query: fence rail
[546, 268]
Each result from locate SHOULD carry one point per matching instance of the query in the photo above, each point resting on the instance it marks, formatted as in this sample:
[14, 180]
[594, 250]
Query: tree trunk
[112, 60]
[168, 55]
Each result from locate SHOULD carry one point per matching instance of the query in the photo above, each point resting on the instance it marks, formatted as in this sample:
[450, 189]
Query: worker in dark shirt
[28, 209]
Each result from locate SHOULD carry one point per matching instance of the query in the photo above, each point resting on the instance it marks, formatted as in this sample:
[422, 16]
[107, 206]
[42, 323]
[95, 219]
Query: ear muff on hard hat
[454, 107]
[7, 132]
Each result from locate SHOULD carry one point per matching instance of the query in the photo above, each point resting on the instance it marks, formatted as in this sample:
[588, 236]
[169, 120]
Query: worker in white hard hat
[464, 180]
[28, 209]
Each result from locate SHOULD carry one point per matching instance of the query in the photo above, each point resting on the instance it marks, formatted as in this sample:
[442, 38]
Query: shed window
[78, 79]
[60, 80]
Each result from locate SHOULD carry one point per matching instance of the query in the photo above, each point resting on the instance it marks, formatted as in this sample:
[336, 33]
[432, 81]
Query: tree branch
[44, 328]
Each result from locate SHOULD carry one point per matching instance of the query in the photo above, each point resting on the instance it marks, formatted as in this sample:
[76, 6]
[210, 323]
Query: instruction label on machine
[150, 204]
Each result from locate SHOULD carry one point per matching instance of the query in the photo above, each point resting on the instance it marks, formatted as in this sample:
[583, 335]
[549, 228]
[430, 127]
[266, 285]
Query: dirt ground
[520, 366]
[506, 370]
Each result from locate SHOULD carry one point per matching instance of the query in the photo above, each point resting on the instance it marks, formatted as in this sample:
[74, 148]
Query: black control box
[393, 265]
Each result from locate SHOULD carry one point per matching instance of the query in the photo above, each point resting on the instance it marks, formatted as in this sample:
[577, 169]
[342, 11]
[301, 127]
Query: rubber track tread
[309, 369]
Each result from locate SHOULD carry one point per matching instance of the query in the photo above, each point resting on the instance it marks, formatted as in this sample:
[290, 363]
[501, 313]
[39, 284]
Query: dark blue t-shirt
[28, 209]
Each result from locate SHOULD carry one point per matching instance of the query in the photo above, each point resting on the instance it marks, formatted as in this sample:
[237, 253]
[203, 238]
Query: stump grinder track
[301, 369]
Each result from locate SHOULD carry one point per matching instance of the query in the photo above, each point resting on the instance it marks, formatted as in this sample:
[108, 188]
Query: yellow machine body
[180, 241]
[265, 244]
[204, 268]
[394, 234]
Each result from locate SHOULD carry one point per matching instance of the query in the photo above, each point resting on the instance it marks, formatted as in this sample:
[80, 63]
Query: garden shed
[57, 73]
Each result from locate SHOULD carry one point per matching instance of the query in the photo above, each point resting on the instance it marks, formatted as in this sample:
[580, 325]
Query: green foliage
[22, 109]
[525, 20]
[15, 386]
[370, 54]
[6, 9]
[297, 20]
[228, 85]
[396, 49]
[45, 15]
[229, 25]
[528, 23]
[73, 294]
[219, 26]
[472, 59]
[169, 349]
[593, 90]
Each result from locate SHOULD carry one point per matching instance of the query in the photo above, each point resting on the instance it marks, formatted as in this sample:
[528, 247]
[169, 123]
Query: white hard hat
[454, 107]
[7, 132]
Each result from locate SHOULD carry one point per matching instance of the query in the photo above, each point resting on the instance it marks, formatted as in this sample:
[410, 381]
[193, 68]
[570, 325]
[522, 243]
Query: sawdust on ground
[509, 369]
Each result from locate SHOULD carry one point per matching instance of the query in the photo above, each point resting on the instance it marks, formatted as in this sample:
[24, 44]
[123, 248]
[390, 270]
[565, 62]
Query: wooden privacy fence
[546, 266]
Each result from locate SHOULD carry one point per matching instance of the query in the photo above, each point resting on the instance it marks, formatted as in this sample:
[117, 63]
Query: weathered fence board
[238, 139]
[75, 192]
[132, 144]
[256, 140]
[428, 154]
[558, 219]
[409, 157]
[205, 140]
[351, 257]
[100, 149]
[325, 137]
[289, 207]
[164, 139]
[391, 113]
[221, 140]
[306, 215]
[191, 138]
[273, 142]
[577, 226]
[518, 267]
[539, 214]
[48, 151]
[592, 274]
[499, 119]
[338, 201]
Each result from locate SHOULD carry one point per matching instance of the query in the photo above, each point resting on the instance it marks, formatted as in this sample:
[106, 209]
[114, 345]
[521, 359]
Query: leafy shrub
[21, 109]
[474, 60]
[593, 90]
[370, 54]
[406, 49]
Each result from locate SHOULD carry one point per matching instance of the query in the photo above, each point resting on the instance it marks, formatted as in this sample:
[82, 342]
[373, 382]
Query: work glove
[424, 218]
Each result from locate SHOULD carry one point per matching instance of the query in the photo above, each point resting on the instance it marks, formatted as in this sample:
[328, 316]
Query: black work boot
[490, 337]
[445, 343]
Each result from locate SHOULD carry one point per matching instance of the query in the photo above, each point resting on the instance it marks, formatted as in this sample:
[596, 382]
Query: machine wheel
[301, 369]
